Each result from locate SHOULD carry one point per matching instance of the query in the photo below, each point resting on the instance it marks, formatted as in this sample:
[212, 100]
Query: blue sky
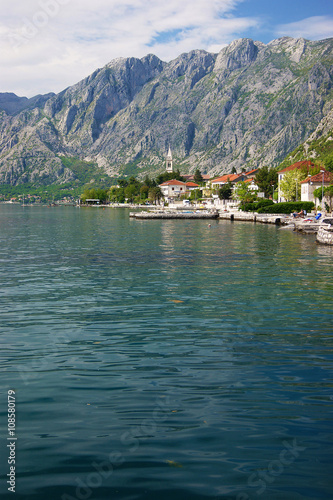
[47, 45]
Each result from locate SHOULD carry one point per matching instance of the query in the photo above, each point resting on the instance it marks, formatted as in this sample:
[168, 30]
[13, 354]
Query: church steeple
[169, 162]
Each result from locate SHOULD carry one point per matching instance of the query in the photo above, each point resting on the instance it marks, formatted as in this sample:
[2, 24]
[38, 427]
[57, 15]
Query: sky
[48, 45]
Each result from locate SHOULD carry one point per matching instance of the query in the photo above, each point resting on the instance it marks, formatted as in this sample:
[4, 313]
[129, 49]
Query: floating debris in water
[173, 464]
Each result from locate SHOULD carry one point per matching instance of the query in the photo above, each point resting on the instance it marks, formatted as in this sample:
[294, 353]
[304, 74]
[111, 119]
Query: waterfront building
[174, 189]
[322, 179]
[233, 178]
[299, 165]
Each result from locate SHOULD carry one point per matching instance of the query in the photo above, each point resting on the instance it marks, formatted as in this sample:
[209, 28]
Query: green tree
[95, 194]
[318, 193]
[265, 179]
[144, 190]
[243, 192]
[149, 182]
[167, 176]
[290, 185]
[117, 195]
[225, 191]
[155, 194]
[234, 171]
[130, 192]
[328, 162]
[329, 194]
[198, 176]
[196, 194]
[123, 183]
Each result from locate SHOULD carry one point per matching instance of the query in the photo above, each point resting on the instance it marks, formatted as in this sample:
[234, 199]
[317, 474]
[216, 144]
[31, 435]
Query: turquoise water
[164, 359]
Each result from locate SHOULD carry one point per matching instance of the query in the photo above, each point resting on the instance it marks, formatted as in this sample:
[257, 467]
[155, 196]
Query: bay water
[164, 359]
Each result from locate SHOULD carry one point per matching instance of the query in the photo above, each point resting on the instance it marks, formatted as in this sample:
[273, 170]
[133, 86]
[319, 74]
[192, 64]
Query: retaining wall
[325, 237]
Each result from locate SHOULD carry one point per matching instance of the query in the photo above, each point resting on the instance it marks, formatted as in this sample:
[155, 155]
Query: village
[175, 190]
[228, 196]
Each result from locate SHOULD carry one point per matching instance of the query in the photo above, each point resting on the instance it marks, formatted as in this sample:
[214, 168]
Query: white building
[175, 189]
[322, 179]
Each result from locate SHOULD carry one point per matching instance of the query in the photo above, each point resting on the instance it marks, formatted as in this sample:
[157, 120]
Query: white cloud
[312, 28]
[47, 45]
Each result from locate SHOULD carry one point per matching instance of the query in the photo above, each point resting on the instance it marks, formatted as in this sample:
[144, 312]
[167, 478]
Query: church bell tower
[169, 163]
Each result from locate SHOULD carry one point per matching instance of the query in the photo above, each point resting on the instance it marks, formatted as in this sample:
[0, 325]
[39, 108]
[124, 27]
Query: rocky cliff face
[248, 106]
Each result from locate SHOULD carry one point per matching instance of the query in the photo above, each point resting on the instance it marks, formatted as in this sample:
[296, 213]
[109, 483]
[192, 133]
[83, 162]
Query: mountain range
[247, 106]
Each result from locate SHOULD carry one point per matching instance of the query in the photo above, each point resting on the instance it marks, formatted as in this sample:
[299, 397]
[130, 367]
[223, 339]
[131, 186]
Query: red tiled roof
[227, 177]
[328, 177]
[192, 184]
[297, 165]
[173, 182]
[252, 171]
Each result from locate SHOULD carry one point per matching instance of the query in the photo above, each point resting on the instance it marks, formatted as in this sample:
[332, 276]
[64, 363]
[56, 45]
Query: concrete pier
[168, 214]
[277, 219]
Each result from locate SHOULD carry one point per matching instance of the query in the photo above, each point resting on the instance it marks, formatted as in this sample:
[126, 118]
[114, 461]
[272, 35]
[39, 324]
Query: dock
[179, 214]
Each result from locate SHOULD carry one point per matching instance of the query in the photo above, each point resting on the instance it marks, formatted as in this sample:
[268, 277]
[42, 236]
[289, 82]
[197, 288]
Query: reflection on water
[158, 359]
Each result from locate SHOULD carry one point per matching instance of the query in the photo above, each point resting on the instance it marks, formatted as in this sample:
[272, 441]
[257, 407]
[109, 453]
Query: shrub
[287, 207]
[254, 207]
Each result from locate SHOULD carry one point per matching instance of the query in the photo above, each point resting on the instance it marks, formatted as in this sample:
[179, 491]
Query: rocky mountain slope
[318, 147]
[249, 105]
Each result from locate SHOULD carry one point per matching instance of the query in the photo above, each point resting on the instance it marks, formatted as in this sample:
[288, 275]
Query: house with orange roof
[175, 189]
[322, 179]
[190, 186]
[299, 165]
[251, 174]
[224, 179]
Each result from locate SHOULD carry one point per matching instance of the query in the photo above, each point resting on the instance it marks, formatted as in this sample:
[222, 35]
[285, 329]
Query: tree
[196, 194]
[95, 194]
[234, 171]
[117, 195]
[329, 194]
[123, 183]
[290, 185]
[225, 191]
[155, 194]
[198, 177]
[243, 192]
[130, 192]
[265, 179]
[328, 162]
[318, 193]
[149, 182]
[144, 190]
[168, 176]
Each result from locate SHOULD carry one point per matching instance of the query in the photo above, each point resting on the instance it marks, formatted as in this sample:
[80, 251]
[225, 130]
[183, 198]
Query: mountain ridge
[247, 106]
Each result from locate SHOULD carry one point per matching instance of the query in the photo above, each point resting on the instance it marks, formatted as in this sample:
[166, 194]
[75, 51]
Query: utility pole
[322, 190]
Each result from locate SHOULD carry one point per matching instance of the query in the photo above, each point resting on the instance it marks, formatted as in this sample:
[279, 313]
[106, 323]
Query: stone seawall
[324, 236]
